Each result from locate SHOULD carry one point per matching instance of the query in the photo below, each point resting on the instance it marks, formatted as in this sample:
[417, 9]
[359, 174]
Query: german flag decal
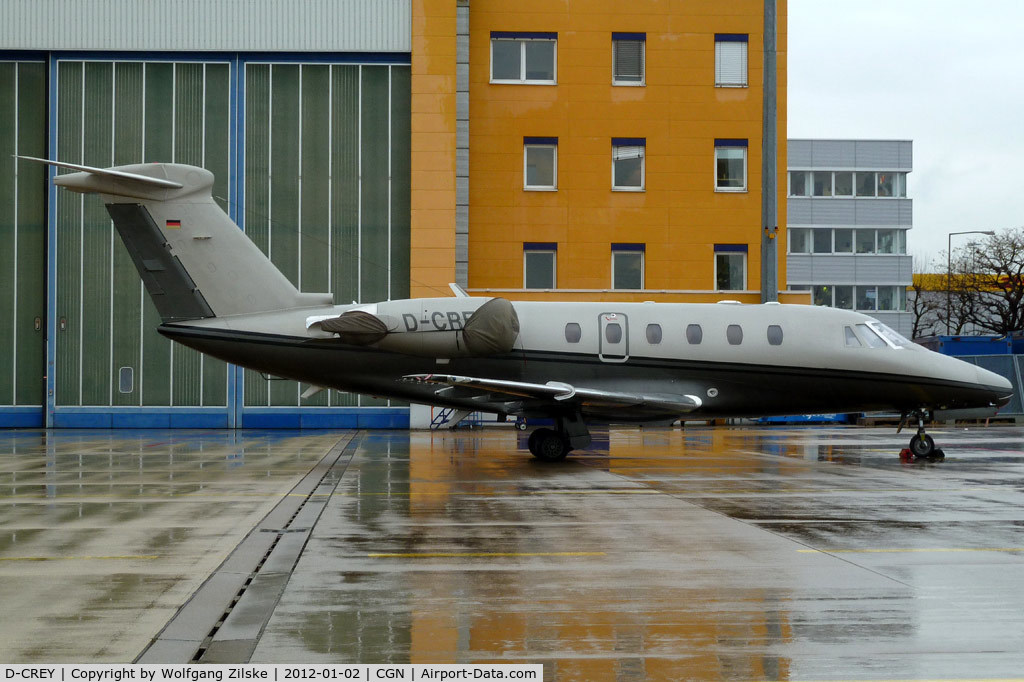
[173, 224]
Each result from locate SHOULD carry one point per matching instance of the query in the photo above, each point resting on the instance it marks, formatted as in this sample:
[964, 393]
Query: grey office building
[848, 218]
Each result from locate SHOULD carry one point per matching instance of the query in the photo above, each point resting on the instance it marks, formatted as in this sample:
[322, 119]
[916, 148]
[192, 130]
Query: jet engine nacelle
[432, 327]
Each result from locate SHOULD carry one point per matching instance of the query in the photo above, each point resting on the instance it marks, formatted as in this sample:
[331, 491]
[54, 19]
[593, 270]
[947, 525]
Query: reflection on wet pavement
[104, 534]
[704, 553]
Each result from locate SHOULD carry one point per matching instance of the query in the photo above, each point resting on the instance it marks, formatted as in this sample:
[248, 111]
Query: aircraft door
[613, 343]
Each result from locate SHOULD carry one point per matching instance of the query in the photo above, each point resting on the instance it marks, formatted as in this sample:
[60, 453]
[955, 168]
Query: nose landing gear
[922, 446]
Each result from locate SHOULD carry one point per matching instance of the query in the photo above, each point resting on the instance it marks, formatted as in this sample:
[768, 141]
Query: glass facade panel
[865, 184]
[844, 297]
[822, 294]
[843, 184]
[886, 185]
[865, 241]
[799, 240]
[887, 298]
[867, 298]
[798, 184]
[822, 241]
[886, 241]
[844, 241]
[822, 183]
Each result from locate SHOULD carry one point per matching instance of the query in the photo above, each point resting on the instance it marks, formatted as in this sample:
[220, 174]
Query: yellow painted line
[922, 550]
[458, 493]
[127, 557]
[436, 555]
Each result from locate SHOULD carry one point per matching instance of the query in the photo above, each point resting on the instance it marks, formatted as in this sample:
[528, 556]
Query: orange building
[590, 150]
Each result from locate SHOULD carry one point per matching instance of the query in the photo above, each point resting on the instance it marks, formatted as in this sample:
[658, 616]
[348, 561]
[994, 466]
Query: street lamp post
[949, 269]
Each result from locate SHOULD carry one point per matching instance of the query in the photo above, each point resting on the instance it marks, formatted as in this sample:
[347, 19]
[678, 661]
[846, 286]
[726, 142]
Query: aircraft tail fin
[194, 261]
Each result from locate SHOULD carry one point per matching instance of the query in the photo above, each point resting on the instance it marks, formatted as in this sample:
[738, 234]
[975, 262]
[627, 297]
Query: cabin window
[613, 332]
[774, 335]
[851, 339]
[871, 336]
[734, 334]
[694, 334]
[654, 334]
[573, 332]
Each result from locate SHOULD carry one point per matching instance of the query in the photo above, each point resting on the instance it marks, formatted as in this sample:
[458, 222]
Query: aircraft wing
[560, 392]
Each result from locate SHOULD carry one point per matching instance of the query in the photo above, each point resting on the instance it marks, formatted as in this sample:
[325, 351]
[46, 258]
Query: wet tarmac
[658, 554]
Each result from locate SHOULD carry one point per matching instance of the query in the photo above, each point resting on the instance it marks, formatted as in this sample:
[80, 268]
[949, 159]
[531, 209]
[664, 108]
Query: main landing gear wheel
[548, 445]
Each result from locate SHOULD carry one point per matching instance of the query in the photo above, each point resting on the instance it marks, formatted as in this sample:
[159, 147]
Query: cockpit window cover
[892, 337]
[873, 338]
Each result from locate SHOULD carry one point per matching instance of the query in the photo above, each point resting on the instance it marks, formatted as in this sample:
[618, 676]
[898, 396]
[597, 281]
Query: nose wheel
[922, 446]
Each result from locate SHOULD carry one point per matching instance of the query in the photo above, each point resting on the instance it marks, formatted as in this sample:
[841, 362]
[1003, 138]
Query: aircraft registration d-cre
[218, 293]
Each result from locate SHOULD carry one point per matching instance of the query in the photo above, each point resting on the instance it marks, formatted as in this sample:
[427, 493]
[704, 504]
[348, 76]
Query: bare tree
[993, 277]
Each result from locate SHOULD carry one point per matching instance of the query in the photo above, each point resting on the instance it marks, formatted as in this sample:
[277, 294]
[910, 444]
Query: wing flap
[558, 391]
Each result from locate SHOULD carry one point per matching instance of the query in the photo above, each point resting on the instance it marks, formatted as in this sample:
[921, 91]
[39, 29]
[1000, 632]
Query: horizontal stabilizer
[160, 183]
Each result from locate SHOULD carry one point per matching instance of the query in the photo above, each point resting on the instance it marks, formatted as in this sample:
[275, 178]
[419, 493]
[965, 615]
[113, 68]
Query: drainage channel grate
[172, 643]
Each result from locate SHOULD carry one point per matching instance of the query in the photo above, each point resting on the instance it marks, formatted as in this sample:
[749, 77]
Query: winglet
[160, 183]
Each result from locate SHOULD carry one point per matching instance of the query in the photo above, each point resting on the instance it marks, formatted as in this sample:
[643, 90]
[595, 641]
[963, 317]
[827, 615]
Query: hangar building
[381, 148]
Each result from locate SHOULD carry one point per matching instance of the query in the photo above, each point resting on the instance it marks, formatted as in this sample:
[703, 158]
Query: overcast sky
[947, 75]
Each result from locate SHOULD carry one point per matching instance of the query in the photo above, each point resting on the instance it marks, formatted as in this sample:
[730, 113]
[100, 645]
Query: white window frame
[643, 63]
[523, 80]
[554, 167]
[554, 268]
[744, 76]
[745, 170]
[643, 170]
[730, 253]
[643, 268]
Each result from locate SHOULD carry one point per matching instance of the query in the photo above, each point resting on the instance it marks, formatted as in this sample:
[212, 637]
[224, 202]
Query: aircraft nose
[1000, 386]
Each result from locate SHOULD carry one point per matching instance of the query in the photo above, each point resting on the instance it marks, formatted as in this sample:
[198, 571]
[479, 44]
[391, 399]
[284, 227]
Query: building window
[865, 184]
[844, 297]
[523, 57]
[798, 184]
[627, 266]
[628, 163]
[539, 263]
[730, 60]
[730, 165]
[822, 183]
[844, 241]
[628, 58]
[799, 240]
[540, 163]
[843, 184]
[865, 241]
[730, 267]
